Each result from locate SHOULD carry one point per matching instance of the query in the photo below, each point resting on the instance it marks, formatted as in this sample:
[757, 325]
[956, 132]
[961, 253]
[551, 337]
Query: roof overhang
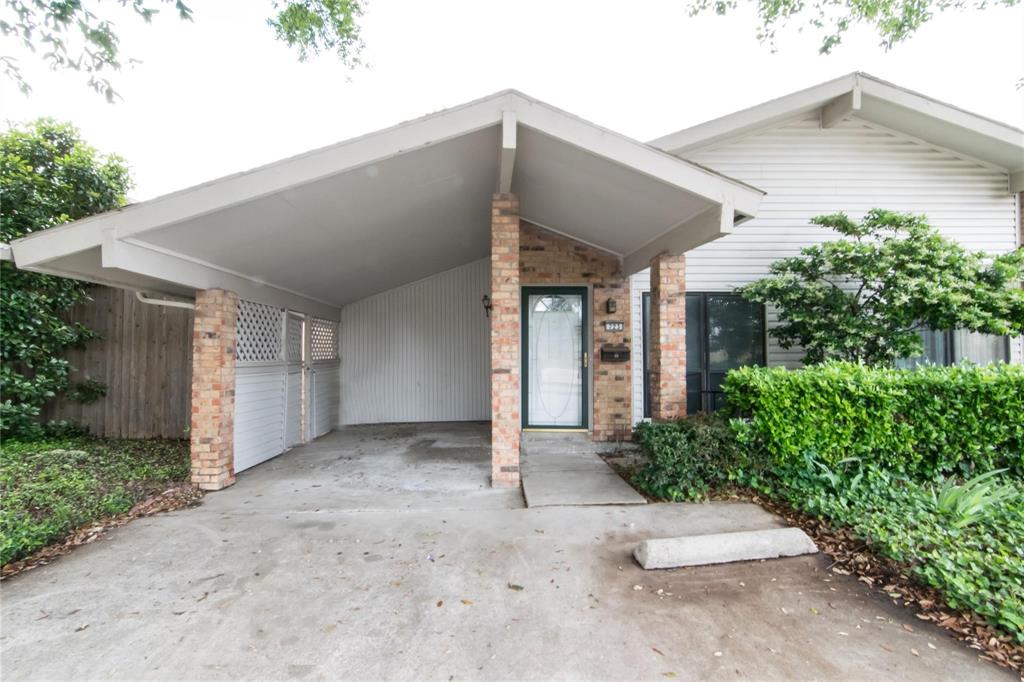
[875, 101]
[332, 226]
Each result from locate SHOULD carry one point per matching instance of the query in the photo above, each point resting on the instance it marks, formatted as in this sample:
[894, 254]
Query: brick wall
[213, 389]
[549, 258]
[505, 386]
[667, 345]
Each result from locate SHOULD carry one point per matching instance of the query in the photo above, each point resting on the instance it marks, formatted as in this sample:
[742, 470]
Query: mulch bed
[176, 497]
[851, 556]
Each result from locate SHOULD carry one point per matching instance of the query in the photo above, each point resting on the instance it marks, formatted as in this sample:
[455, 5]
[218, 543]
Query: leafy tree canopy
[894, 20]
[48, 176]
[865, 297]
[76, 35]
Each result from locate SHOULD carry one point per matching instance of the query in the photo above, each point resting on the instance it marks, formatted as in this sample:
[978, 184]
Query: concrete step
[722, 548]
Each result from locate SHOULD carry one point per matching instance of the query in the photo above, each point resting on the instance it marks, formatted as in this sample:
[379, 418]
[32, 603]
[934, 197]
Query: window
[950, 347]
[723, 332]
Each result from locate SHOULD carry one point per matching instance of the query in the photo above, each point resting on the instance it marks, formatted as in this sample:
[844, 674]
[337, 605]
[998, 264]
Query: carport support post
[667, 345]
[505, 397]
[213, 388]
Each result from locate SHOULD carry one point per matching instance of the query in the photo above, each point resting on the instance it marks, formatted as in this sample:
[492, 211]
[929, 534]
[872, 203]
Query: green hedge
[928, 421]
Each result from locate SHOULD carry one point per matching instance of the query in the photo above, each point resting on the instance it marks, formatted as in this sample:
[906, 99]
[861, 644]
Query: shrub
[929, 422]
[686, 458]
[973, 556]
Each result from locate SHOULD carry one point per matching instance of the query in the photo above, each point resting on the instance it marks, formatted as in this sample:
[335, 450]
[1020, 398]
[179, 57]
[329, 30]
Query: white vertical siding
[852, 167]
[419, 352]
[293, 416]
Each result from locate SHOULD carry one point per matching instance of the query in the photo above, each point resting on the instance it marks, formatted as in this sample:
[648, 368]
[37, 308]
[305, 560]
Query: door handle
[586, 359]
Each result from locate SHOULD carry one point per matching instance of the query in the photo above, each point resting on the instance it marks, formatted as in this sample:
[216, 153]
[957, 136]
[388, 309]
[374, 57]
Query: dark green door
[555, 357]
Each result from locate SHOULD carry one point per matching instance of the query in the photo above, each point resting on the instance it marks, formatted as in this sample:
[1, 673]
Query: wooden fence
[145, 359]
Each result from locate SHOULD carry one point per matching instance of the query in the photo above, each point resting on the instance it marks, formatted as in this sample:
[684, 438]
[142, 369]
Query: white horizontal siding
[808, 171]
[293, 416]
[260, 397]
[419, 352]
[326, 394]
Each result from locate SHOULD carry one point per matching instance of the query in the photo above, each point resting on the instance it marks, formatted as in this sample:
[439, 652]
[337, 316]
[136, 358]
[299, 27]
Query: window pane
[735, 334]
[694, 334]
[693, 391]
[979, 348]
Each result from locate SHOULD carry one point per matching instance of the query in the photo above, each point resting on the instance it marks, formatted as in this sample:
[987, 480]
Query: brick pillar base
[213, 389]
[667, 345]
[505, 320]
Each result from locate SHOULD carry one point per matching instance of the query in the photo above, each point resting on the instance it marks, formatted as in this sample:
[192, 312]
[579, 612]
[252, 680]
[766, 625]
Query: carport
[422, 241]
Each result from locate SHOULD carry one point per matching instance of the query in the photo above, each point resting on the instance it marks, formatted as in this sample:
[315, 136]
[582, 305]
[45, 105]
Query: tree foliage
[865, 297]
[48, 176]
[893, 20]
[76, 35]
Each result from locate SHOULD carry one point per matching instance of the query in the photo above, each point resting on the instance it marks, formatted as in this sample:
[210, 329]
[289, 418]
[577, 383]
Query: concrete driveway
[381, 553]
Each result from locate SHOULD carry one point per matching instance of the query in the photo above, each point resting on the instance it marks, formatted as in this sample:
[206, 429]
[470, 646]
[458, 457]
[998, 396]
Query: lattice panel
[260, 332]
[293, 338]
[324, 339]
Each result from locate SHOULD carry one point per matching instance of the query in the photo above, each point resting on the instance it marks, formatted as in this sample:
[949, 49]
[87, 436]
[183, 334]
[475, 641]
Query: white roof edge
[790, 106]
[207, 197]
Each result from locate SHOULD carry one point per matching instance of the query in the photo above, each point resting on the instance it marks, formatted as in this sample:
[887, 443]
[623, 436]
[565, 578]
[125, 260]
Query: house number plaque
[614, 326]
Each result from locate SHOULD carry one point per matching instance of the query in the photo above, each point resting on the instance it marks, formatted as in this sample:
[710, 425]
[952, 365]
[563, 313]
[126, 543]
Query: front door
[555, 357]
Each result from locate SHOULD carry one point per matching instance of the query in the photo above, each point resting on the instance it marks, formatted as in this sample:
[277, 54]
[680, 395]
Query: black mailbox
[612, 353]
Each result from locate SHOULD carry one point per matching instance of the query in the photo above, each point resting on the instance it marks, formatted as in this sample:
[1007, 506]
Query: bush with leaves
[866, 296]
[688, 458]
[929, 422]
[48, 176]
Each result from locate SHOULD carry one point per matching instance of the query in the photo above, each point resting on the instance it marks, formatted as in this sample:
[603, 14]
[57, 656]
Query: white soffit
[338, 224]
[879, 102]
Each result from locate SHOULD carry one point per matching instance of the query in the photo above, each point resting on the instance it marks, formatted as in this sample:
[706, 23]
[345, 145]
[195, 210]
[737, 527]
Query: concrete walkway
[563, 469]
[383, 554]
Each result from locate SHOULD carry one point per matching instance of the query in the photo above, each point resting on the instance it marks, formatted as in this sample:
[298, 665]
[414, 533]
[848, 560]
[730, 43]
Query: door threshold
[531, 429]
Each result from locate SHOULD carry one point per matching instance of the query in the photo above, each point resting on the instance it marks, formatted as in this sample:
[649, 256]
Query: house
[507, 261]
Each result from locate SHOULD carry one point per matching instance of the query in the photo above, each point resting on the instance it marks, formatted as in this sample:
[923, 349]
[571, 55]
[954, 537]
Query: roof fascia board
[939, 110]
[281, 175]
[705, 227]
[161, 264]
[640, 157]
[754, 118]
[507, 161]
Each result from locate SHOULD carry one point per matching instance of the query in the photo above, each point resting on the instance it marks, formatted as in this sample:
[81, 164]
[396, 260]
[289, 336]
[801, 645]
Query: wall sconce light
[609, 306]
[486, 300]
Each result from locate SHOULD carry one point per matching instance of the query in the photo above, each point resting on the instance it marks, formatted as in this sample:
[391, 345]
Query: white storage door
[261, 385]
[325, 390]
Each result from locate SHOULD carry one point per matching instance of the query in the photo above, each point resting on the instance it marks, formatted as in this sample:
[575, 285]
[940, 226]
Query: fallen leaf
[657, 651]
[467, 602]
[517, 588]
[908, 627]
[931, 646]
[668, 674]
[81, 627]
[914, 651]
[440, 604]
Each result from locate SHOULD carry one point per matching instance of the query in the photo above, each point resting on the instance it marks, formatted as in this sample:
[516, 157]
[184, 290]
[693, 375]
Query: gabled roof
[874, 100]
[334, 225]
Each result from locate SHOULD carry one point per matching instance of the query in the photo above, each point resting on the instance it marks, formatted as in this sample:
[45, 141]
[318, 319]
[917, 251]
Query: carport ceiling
[338, 224]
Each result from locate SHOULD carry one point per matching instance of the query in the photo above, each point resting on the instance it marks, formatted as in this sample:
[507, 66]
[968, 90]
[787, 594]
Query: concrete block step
[722, 548]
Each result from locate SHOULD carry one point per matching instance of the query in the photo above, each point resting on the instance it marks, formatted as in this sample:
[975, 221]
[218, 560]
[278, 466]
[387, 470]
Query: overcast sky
[220, 95]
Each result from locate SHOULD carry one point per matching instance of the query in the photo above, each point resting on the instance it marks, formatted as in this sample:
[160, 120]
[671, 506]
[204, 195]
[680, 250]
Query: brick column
[667, 345]
[505, 320]
[213, 389]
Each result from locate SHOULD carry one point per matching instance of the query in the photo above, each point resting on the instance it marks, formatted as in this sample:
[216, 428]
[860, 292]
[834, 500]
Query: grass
[50, 487]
